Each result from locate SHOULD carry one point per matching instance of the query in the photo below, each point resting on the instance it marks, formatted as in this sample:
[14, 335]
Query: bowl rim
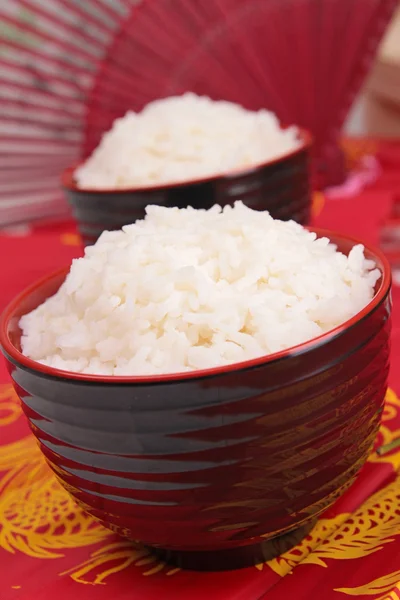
[23, 361]
[68, 182]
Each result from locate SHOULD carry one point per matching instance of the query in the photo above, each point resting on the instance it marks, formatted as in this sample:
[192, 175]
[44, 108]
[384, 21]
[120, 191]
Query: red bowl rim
[68, 183]
[32, 365]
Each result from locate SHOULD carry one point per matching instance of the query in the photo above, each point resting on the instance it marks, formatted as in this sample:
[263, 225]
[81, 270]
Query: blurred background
[63, 78]
[377, 109]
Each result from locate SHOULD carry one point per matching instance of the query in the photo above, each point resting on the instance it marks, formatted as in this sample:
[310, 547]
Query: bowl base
[234, 558]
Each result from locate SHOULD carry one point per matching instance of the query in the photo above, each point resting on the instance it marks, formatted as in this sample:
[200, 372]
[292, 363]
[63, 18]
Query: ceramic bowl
[281, 186]
[216, 468]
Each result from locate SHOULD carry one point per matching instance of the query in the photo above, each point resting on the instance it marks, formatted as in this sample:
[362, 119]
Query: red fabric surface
[50, 549]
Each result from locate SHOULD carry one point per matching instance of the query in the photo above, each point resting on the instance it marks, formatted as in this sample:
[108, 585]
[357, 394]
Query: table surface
[49, 548]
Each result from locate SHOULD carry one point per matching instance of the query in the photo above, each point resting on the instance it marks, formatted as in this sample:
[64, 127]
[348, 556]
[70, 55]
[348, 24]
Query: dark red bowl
[214, 468]
[281, 186]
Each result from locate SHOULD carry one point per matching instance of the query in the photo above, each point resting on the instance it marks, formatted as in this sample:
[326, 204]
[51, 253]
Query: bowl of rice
[206, 382]
[190, 151]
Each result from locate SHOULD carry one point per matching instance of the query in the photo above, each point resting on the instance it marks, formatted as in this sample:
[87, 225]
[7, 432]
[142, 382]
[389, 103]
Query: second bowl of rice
[190, 151]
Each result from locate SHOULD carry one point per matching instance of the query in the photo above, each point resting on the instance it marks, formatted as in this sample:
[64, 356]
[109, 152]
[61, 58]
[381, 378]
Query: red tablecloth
[50, 549]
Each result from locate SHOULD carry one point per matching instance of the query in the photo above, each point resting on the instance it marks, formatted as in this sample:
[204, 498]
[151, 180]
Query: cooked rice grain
[191, 289]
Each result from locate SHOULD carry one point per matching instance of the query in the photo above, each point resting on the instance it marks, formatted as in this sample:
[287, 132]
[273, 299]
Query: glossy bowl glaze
[213, 468]
[281, 186]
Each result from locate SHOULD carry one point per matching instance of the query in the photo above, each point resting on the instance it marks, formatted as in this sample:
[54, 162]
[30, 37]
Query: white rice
[182, 138]
[190, 289]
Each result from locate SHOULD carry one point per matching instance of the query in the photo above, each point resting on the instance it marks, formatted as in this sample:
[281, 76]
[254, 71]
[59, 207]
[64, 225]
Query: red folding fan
[68, 68]
[50, 52]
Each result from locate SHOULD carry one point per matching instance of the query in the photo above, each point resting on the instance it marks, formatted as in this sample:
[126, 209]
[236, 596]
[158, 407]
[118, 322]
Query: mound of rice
[182, 138]
[190, 289]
